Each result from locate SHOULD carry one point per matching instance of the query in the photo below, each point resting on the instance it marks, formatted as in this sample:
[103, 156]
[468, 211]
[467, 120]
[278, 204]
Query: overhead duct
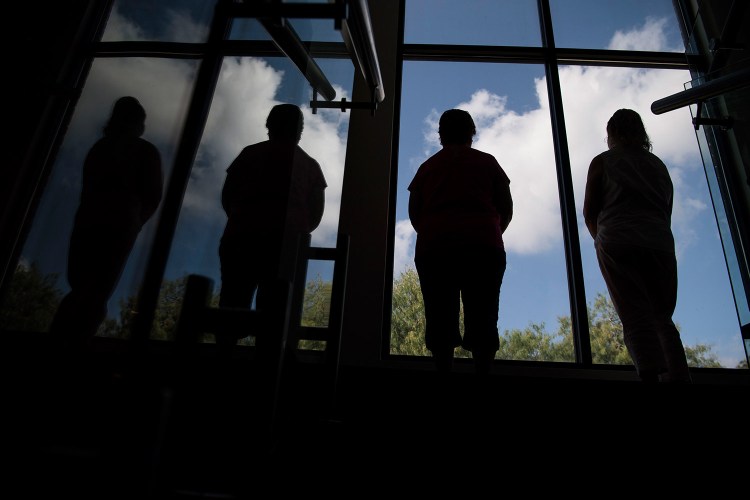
[351, 17]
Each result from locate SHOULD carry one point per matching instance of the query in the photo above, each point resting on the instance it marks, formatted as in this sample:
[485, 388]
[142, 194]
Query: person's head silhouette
[456, 127]
[285, 122]
[128, 118]
[625, 128]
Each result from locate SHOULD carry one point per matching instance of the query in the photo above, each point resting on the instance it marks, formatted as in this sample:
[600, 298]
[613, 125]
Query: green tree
[605, 333]
[31, 300]
[700, 356]
[166, 315]
[316, 307]
[407, 318]
[533, 343]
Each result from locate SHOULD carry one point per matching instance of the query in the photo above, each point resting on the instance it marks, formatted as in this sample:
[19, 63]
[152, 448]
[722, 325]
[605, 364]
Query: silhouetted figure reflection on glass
[628, 210]
[121, 189]
[274, 192]
[460, 204]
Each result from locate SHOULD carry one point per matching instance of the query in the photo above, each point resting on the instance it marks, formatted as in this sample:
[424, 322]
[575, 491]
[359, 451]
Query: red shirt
[459, 197]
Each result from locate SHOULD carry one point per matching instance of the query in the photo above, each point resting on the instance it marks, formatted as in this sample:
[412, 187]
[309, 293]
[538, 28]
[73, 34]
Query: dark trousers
[468, 275]
[247, 269]
[96, 260]
[642, 283]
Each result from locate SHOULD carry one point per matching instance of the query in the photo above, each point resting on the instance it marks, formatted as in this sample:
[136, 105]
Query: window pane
[706, 136]
[247, 89]
[705, 311]
[472, 22]
[308, 30]
[163, 21]
[163, 87]
[612, 24]
[509, 106]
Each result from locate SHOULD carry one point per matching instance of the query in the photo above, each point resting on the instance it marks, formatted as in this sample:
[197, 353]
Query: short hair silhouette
[285, 121]
[456, 127]
[128, 118]
[625, 128]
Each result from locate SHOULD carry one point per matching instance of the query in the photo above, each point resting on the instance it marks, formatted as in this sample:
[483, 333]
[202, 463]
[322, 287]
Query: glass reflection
[163, 21]
[247, 89]
[163, 87]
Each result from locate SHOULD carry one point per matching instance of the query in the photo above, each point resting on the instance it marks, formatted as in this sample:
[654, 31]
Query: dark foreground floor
[104, 429]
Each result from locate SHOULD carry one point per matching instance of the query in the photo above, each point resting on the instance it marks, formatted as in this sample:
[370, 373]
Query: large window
[163, 87]
[511, 104]
[247, 87]
[513, 126]
[705, 312]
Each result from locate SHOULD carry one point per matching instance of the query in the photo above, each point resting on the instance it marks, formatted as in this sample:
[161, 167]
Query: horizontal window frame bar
[541, 55]
[179, 50]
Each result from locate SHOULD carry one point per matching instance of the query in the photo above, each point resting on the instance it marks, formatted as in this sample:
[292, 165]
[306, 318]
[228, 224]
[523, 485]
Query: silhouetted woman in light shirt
[628, 209]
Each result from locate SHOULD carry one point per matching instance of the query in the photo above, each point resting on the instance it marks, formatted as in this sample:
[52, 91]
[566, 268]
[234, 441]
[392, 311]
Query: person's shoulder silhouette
[122, 172]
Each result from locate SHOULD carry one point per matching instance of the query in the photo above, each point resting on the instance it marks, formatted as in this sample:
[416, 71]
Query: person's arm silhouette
[153, 182]
[316, 206]
[592, 202]
[504, 204]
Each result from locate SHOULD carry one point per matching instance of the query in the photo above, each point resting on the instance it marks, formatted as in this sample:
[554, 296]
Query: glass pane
[308, 30]
[163, 87]
[615, 25]
[707, 142]
[163, 21]
[316, 305]
[705, 311]
[509, 106]
[248, 29]
[247, 89]
[472, 22]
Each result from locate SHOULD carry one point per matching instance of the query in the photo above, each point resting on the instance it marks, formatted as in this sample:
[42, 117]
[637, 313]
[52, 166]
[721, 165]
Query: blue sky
[508, 102]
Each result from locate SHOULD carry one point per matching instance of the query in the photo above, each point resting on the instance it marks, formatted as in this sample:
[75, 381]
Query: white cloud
[522, 143]
[181, 26]
[650, 37]
[178, 25]
[403, 248]
[120, 28]
[245, 93]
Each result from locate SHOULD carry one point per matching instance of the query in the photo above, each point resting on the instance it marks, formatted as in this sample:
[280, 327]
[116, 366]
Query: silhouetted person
[628, 210]
[121, 189]
[273, 193]
[460, 204]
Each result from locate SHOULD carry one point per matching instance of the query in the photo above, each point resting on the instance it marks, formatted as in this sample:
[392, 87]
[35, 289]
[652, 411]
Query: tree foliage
[533, 343]
[31, 300]
[316, 307]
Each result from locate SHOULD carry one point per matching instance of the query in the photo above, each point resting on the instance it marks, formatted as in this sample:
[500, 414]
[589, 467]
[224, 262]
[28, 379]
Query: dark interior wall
[45, 58]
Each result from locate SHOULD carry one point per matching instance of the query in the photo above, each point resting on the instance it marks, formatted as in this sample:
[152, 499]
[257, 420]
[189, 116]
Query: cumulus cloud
[245, 93]
[522, 142]
[173, 25]
[650, 37]
[403, 248]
